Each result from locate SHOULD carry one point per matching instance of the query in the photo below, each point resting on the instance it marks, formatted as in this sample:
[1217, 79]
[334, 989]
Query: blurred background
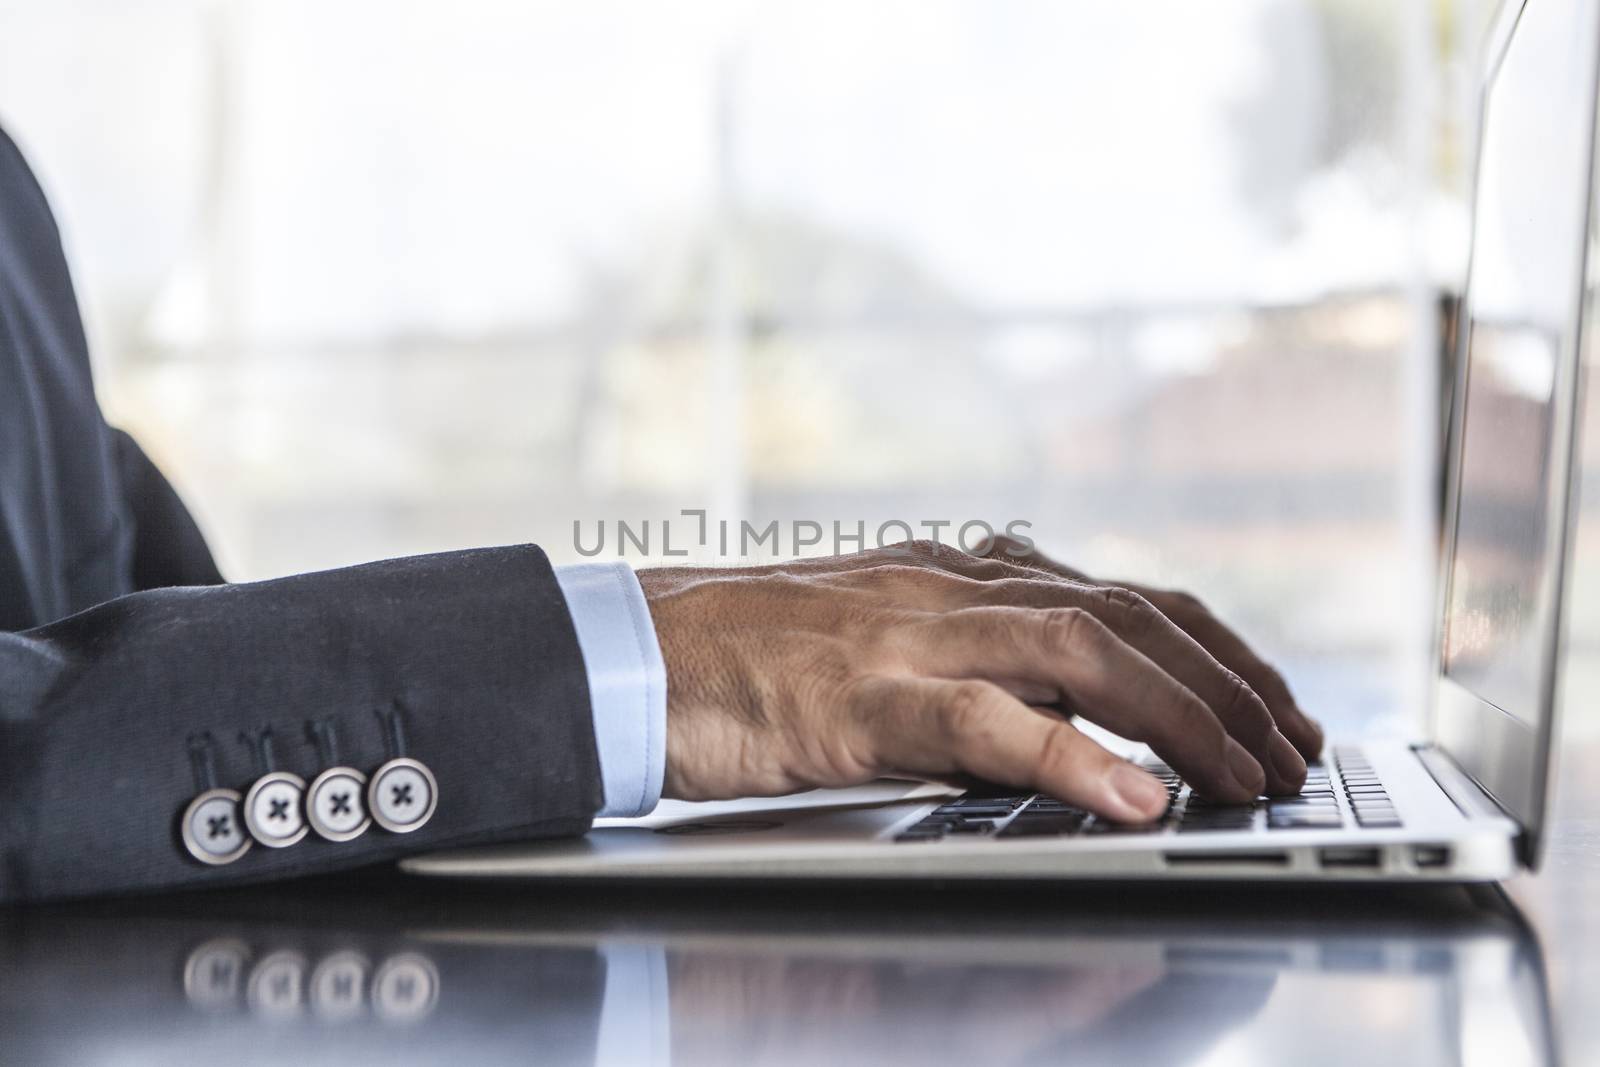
[1166, 280]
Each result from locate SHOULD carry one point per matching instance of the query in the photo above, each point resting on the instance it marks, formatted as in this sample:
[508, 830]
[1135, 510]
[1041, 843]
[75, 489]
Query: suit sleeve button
[336, 804]
[402, 795]
[273, 811]
[211, 827]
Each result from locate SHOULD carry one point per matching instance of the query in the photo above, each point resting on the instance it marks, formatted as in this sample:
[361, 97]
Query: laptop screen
[1514, 422]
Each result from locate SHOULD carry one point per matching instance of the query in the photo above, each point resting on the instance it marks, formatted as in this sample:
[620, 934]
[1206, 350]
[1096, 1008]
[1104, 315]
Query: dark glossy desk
[386, 970]
[380, 968]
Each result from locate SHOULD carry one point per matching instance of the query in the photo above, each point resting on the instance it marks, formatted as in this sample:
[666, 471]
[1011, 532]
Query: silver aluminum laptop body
[1467, 804]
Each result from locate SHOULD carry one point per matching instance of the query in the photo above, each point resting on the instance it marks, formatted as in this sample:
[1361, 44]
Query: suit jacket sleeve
[101, 711]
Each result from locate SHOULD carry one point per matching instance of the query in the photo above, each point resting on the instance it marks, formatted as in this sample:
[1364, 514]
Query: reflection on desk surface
[378, 971]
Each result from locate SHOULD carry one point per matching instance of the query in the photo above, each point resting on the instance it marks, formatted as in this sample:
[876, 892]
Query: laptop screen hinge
[1466, 794]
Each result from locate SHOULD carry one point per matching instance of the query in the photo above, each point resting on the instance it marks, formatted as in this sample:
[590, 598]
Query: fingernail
[1246, 771]
[1288, 763]
[1138, 790]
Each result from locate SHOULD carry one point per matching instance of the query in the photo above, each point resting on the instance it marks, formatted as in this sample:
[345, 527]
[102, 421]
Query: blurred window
[373, 278]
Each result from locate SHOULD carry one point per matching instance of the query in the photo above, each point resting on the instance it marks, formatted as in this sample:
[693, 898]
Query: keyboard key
[1304, 823]
[1199, 802]
[1101, 826]
[1050, 804]
[1042, 825]
[1216, 825]
[1064, 815]
[1214, 828]
[1013, 802]
[976, 807]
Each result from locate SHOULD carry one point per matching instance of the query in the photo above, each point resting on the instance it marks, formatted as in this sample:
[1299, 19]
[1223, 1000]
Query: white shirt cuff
[627, 681]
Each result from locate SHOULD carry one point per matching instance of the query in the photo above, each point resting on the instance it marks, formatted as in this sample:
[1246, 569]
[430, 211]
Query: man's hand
[928, 661]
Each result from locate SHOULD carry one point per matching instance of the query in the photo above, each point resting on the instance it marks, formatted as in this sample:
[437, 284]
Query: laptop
[1467, 802]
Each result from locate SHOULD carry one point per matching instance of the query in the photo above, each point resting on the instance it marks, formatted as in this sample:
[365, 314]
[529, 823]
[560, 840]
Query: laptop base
[872, 833]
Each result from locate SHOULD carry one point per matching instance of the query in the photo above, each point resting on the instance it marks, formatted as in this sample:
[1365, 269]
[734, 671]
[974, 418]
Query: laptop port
[1431, 856]
[1370, 859]
[1226, 859]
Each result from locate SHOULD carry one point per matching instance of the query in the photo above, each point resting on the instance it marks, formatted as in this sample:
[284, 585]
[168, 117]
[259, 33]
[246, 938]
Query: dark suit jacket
[121, 649]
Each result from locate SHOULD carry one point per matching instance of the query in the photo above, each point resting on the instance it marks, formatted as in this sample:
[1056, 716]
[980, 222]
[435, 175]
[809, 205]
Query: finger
[1226, 693]
[1025, 554]
[1104, 678]
[1003, 557]
[931, 727]
[1134, 619]
[924, 585]
[1230, 649]
[1004, 561]
[1024, 562]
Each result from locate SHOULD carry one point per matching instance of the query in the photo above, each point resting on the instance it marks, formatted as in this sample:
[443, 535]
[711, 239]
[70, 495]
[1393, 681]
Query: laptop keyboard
[1343, 792]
